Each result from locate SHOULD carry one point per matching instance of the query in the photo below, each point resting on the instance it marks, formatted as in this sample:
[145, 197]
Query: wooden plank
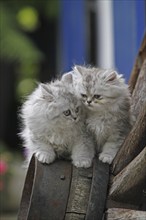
[123, 214]
[137, 66]
[136, 140]
[134, 143]
[129, 185]
[26, 194]
[79, 191]
[114, 204]
[74, 216]
[98, 192]
[50, 191]
[139, 93]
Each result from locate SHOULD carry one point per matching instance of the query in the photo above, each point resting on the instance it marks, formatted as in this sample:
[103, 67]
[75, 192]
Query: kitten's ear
[67, 78]
[111, 76]
[46, 92]
[78, 70]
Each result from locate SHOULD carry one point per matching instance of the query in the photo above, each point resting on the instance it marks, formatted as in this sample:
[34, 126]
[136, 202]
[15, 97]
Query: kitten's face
[63, 107]
[96, 88]
[68, 109]
[91, 96]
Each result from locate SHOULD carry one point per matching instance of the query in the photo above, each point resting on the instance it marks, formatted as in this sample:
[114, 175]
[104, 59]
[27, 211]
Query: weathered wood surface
[26, 196]
[79, 192]
[134, 143]
[125, 214]
[136, 140]
[61, 191]
[74, 216]
[116, 204]
[129, 185]
[88, 192]
[50, 191]
[139, 93]
[137, 66]
[97, 199]
[128, 188]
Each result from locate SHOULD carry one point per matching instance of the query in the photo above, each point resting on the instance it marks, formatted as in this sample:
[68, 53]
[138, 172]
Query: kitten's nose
[75, 118]
[89, 101]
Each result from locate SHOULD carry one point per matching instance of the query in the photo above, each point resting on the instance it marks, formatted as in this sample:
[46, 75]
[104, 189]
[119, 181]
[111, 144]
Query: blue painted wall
[129, 25]
[73, 49]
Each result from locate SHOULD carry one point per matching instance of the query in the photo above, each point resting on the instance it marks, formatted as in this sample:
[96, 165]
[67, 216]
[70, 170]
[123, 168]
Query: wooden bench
[61, 191]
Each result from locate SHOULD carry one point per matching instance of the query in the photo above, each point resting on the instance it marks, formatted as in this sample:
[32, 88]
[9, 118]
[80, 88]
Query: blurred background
[41, 39]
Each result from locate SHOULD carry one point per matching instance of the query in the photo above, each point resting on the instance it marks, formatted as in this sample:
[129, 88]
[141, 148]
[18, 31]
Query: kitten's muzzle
[76, 119]
[89, 101]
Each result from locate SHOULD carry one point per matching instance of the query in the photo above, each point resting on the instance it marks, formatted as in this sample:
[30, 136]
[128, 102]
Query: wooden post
[129, 184]
[137, 65]
[139, 93]
[98, 193]
[133, 144]
[136, 140]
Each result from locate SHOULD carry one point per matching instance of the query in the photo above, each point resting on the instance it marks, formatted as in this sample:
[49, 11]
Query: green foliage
[15, 45]
[16, 18]
[28, 18]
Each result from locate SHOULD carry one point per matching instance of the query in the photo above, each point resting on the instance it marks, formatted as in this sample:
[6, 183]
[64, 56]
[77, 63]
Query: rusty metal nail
[62, 177]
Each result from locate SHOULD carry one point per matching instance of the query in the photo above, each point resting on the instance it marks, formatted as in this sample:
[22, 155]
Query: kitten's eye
[77, 110]
[84, 95]
[67, 112]
[97, 96]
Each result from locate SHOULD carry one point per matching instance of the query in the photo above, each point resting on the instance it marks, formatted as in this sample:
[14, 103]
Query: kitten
[107, 100]
[53, 121]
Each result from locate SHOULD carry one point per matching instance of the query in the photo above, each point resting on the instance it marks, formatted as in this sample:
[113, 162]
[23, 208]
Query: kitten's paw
[86, 163]
[45, 157]
[105, 158]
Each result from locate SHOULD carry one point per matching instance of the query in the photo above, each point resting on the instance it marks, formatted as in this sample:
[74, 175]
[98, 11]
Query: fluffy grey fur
[107, 100]
[53, 126]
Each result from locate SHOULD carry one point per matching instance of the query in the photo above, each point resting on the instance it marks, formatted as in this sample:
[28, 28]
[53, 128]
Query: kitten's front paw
[105, 158]
[45, 157]
[86, 163]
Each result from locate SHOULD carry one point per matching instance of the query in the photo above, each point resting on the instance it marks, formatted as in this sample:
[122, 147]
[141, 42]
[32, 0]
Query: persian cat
[53, 126]
[107, 100]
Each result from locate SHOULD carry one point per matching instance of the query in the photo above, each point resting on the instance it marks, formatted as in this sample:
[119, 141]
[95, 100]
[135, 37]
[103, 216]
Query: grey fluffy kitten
[107, 100]
[53, 126]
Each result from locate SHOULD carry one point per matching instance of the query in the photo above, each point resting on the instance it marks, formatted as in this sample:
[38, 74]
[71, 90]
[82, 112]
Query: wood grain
[134, 143]
[97, 199]
[27, 190]
[50, 191]
[137, 66]
[139, 93]
[74, 216]
[129, 185]
[79, 190]
[123, 214]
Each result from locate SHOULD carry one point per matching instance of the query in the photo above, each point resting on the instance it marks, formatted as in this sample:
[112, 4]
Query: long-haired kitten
[107, 100]
[53, 126]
